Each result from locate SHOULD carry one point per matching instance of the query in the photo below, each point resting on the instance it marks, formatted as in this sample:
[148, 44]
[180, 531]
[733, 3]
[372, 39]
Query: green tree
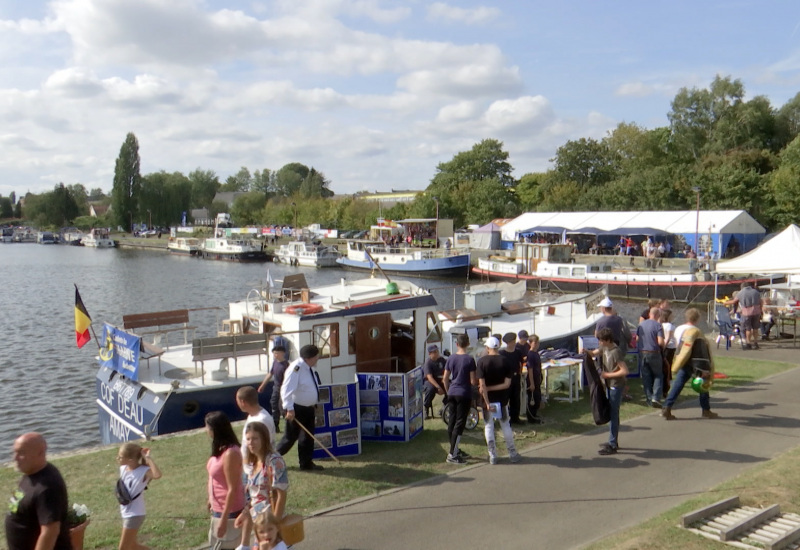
[96, 194]
[81, 197]
[784, 186]
[241, 181]
[248, 209]
[264, 182]
[587, 162]
[205, 185]
[6, 208]
[289, 179]
[315, 185]
[127, 182]
[485, 161]
[163, 198]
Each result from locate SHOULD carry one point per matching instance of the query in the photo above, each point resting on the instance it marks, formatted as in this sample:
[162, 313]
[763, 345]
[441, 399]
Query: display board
[337, 421]
[390, 405]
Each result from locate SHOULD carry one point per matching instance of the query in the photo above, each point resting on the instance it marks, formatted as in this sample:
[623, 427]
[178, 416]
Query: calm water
[47, 383]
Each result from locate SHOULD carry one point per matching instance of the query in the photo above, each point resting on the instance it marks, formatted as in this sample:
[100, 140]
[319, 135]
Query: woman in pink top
[225, 491]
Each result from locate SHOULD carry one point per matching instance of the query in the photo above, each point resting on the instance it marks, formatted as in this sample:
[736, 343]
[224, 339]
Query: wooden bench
[227, 347]
[150, 351]
[163, 321]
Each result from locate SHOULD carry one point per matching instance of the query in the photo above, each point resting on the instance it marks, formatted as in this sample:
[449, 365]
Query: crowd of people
[247, 484]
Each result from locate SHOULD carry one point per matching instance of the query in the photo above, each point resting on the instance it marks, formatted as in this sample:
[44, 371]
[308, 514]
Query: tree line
[732, 153]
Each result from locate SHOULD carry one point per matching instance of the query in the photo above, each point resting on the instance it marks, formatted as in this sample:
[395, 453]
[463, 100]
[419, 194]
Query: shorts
[751, 322]
[233, 535]
[133, 522]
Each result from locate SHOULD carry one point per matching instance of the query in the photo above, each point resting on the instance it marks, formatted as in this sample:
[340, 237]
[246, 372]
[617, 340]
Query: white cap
[492, 342]
[605, 302]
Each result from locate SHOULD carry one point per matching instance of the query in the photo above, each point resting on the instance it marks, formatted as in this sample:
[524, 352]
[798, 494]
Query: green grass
[177, 515]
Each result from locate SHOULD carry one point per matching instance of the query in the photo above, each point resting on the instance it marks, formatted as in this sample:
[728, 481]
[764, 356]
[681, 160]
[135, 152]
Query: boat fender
[304, 309]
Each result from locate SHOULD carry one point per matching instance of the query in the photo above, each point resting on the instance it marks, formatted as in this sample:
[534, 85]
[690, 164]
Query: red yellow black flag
[82, 321]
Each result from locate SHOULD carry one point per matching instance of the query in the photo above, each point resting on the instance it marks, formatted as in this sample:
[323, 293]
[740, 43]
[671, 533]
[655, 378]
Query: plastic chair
[728, 329]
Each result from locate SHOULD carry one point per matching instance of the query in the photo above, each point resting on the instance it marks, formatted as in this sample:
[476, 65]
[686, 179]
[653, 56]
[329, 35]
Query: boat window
[351, 337]
[563, 271]
[579, 271]
[326, 338]
[432, 329]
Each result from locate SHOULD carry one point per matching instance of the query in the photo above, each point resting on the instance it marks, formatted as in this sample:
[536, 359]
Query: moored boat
[307, 254]
[6, 234]
[184, 246]
[552, 266]
[98, 237]
[147, 386]
[72, 236]
[46, 237]
[416, 262]
[558, 320]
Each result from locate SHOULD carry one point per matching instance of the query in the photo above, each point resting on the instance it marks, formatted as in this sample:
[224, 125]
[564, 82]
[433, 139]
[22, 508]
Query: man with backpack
[692, 359]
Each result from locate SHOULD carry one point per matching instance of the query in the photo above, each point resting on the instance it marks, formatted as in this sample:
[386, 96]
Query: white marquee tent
[721, 228]
[780, 254]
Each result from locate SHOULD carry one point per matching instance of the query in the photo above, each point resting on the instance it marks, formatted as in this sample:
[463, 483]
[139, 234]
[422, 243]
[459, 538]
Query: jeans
[683, 376]
[615, 400]
[652, 375]
[505, 427]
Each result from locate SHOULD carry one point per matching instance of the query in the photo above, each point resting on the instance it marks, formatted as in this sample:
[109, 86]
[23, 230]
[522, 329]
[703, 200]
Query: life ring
[304, 309]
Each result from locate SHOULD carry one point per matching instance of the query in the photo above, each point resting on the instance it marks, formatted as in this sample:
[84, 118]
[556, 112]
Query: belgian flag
[82, 321]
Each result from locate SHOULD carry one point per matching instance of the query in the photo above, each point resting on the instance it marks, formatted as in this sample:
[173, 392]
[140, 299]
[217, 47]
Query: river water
[47, 383]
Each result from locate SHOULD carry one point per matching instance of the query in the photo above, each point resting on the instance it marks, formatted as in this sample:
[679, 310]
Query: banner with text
[120, 351]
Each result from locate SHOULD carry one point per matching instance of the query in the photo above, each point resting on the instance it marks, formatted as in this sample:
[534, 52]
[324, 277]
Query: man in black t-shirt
[515, 358]
[37, 515]
[534, 392]
[432, 370]
[494, 380]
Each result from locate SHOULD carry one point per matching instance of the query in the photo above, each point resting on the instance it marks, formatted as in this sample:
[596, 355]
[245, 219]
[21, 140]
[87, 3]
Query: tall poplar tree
[127, 182]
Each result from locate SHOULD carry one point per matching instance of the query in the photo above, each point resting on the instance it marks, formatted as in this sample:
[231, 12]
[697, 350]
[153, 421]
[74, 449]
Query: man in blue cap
[432, 370]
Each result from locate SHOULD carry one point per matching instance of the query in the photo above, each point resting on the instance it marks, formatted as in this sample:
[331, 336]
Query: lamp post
[150, 219]
[697, 224]
[294, 227]
[436, 200]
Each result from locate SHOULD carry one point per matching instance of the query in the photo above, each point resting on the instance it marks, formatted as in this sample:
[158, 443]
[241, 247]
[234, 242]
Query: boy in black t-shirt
[494, 379]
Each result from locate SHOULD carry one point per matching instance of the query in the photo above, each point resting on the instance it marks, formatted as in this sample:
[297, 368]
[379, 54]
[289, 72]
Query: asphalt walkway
[563, 494]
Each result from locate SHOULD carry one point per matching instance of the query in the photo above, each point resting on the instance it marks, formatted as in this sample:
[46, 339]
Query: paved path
[563, 494]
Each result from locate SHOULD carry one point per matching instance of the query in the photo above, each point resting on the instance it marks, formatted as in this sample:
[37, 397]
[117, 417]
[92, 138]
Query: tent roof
[676, 222]
[490, 227]
[780, 254]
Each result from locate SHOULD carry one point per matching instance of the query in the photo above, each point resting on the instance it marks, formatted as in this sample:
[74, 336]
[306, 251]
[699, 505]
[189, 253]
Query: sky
[372, 93]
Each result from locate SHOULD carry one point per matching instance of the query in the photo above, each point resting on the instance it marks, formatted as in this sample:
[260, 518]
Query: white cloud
[464, 81]
[528, 112]
[446, 12]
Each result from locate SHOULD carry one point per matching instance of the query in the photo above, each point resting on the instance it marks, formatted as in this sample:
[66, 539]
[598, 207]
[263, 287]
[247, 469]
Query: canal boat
[6, 234]
[72, 236]
[46, 237]
[157, 376]
[409, 261]
[307, 254]
[98, 237]
[184, 246]
[553, 267]
[224, 247]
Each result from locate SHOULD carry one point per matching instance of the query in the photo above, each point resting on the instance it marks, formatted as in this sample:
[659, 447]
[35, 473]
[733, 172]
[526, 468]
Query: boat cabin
[529, 255]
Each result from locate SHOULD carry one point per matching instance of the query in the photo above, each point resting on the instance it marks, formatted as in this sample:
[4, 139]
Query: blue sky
[372, 93]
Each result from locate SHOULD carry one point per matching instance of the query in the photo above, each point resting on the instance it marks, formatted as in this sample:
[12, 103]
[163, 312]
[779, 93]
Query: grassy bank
[177, 516]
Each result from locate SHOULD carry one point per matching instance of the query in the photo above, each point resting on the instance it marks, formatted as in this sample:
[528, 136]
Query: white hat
[492, 342]
[606, 302]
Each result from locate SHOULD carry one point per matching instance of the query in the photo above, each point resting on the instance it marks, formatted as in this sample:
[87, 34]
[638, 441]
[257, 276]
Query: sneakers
[493, 459]
[462, 454]
[607, 450]
[708, 414]
[455, 459]
[656, 404]
[514, 457]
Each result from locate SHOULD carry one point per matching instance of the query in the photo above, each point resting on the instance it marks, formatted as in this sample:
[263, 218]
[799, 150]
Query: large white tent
[718, 230]
[780, 254]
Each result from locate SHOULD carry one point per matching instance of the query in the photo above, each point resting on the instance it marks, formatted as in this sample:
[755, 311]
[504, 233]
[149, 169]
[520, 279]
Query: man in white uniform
[299, 396]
